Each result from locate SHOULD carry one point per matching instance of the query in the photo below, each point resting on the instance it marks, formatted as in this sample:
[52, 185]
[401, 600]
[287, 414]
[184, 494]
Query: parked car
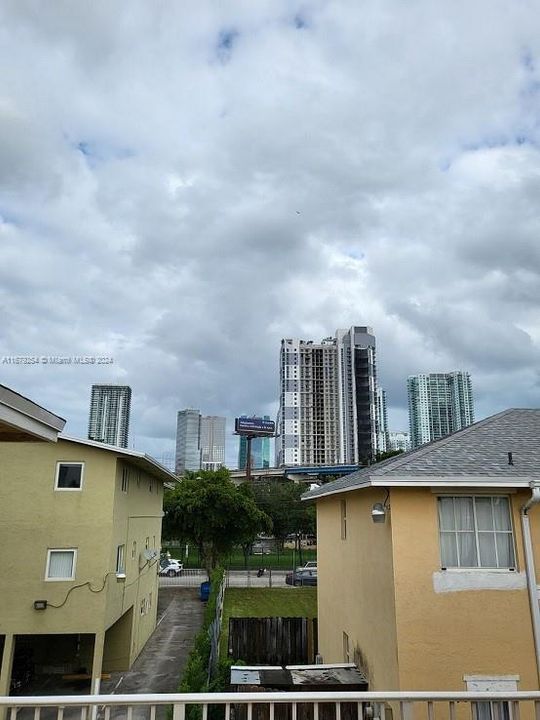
[302, 576]
[310, 565]
[260, 549]
[172, 568]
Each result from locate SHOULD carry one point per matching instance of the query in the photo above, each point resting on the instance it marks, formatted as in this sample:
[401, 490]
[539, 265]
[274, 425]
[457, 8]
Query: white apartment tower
[108, 421]
[327, 412]
[439, 404]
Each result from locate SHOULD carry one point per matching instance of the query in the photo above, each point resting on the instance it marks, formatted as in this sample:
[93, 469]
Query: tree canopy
[207, 509]
[281, 501]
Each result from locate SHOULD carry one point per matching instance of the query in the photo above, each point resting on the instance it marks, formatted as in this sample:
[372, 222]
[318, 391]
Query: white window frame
[492, 683]
[50, 551]
[124, 484]
[121, 559]
[57, 476]
[343, 516]
[478, 568]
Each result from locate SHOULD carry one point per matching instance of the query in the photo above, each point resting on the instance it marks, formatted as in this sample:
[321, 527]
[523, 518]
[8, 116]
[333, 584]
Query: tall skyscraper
[439, 404]
[212, 441]
[260, 451]
[383, 439]
[327, 411]
[108, 422]
[188, 453]
[200, 441]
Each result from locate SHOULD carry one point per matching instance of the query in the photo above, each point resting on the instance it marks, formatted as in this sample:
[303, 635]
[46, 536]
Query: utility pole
[249, 438]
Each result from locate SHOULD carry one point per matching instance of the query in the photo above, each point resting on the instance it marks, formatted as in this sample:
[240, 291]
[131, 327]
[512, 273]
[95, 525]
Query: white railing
[294, 705]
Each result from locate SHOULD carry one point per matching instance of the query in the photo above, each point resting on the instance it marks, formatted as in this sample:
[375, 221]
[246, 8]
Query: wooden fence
[273, 640]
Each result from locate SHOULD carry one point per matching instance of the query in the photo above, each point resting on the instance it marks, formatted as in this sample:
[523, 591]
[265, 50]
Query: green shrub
[195, 676]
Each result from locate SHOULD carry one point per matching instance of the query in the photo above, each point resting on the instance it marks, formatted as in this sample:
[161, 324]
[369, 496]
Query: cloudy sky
[184, 184]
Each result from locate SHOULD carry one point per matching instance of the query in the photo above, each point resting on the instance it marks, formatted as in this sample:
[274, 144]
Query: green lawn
[266, 602]
[286, 560]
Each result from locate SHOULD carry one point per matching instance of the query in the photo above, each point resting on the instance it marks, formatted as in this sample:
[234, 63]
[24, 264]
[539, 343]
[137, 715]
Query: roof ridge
[426, 448]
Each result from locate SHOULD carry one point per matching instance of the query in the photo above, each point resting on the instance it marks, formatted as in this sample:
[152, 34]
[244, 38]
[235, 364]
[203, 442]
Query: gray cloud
[181, 191]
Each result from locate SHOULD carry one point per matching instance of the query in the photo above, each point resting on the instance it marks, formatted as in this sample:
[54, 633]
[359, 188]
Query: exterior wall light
[378, 513]
[40, 604]
[379, 510]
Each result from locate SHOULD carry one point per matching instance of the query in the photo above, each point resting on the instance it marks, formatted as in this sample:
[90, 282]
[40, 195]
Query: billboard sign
[254, 426]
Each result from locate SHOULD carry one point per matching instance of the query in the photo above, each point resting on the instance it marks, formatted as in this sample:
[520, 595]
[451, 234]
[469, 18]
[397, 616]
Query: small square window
[61, 564]
[69, 476]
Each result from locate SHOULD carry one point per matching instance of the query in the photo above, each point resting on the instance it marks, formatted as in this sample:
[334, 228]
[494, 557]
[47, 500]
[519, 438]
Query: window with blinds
[61, 564]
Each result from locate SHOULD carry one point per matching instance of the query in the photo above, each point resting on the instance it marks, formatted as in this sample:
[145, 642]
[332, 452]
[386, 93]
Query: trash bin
[205, 591]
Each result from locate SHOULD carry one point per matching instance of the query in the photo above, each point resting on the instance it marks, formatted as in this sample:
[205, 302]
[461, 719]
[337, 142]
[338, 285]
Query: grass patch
[288, 559]
[266, 602]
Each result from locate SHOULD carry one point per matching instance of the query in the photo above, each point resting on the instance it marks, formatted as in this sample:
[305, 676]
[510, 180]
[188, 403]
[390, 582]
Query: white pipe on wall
[531, 571]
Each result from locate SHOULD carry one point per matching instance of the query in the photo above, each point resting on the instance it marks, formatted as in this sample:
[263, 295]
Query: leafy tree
[281, 501]
[387, 454]
[207, 509]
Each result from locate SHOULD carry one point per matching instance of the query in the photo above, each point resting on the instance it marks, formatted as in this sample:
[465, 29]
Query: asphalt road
[236, 578]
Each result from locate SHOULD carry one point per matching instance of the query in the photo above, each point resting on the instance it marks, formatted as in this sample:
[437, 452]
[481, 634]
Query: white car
[310, 565]
[171, 568]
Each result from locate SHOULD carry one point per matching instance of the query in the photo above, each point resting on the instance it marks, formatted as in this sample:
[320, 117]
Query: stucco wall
[34, 517]
[355, 587]
[137, 522]
[443, 636]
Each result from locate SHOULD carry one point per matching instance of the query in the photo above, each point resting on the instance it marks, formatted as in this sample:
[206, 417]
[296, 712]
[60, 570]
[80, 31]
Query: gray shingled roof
[480, 451]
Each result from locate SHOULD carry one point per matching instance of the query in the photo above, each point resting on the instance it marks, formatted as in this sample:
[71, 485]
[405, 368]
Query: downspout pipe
[530, 569]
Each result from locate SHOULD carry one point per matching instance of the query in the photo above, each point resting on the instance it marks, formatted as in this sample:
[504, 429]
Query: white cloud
[182, 190]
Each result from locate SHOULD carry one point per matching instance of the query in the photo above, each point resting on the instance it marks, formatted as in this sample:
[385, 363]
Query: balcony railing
[277, 705]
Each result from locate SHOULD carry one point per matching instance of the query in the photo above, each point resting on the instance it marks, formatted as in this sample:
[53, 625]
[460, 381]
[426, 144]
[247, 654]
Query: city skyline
[171, 241]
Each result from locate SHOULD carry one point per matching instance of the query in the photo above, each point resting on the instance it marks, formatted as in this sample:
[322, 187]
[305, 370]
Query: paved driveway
[161, 662]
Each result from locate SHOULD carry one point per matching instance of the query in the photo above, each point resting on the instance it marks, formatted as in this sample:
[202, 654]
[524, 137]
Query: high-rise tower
[383, 435]
[188, 452]
[439, 404]
[327, 412]
[260, 450]
[212, 441]
[200, 441]
[109, 414]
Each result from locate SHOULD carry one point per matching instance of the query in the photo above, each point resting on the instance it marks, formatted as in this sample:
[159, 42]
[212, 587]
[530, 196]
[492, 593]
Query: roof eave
[429, 481]
[136, 457]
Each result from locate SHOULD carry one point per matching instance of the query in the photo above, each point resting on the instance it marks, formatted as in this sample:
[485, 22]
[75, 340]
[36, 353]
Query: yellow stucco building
[80, 526]
[426, 562]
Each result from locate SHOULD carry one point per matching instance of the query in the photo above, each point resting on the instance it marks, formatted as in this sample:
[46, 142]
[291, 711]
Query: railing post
[406, 710]
[179, 711]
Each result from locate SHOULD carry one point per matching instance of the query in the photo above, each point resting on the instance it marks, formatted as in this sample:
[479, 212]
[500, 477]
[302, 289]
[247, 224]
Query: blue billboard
[254, 426]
